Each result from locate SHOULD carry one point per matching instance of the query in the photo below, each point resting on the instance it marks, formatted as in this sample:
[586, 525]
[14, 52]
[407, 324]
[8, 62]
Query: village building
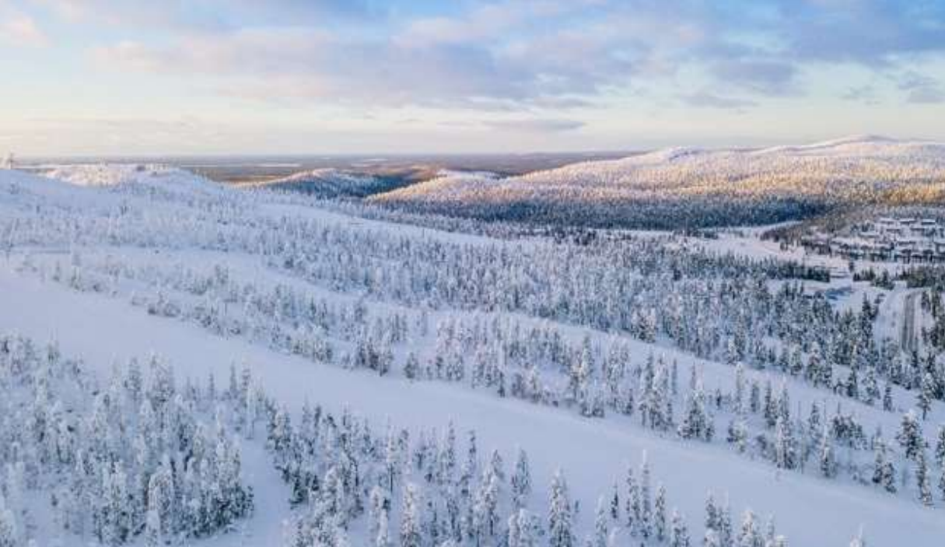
[887, 239]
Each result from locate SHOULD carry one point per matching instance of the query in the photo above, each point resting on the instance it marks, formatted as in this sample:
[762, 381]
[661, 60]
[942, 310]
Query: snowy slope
[230, 233]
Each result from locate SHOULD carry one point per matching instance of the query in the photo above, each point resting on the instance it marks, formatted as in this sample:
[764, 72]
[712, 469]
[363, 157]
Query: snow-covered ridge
[329, 183]
[111, 174]
[857, 170]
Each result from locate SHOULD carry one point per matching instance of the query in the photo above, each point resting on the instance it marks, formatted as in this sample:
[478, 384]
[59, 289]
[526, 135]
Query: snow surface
[103, 330]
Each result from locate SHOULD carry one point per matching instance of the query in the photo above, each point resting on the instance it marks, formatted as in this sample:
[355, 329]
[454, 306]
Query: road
[908, 340]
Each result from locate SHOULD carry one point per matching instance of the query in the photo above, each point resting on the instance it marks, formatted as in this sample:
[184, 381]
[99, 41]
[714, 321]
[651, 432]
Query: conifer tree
[382, 534]
[410, 530]
[659, 513]
[910, 435]
[940, 446]
[678, 531]
[521, 480]
[601, 525]
[560, 533]
[884, 473]
[922, 479]
[828, 463]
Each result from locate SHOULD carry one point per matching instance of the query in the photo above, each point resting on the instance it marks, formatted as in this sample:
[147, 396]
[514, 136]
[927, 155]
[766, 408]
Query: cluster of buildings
[887, 239]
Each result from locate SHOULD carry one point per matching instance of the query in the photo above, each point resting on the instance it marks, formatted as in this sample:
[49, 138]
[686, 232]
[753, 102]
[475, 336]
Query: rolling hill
[690, 187]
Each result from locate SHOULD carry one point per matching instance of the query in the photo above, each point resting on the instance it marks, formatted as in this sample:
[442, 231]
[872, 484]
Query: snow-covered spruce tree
[940, 446]
[922, 479]
[678, 531]
[659, 513]
[748, 534]
[601, 533]
[884, 472]
[633, 507]
[524, 529]
[560, 532]
[410, 530]
[521, 480]
[910, 435]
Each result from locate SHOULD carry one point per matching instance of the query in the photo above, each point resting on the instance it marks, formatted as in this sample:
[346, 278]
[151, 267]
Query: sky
[155, 77]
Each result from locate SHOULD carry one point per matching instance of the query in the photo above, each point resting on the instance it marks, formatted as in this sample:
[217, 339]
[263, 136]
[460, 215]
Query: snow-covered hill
[352, 358]
[332, 183]
[694, 187]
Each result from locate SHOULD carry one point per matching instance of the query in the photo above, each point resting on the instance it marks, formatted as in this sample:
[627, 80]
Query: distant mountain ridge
[333, 183]
[697, 187]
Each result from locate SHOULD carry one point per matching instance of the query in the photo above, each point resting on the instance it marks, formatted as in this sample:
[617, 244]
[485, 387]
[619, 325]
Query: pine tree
[601, 525]
[633, 507]
[382, 534]
[712, 515]
[560, 533]
[925, 394]
[940, 446]
[659, 513]
[828, 463]
[645, 520]
[615, 502]
[497, 466]
[523, 529]
[485, 510]
[941, 483]
[447, 456]
[377, 510]
[739, 388]
[411, 367]
[922, 479]
[883, 471]
[887, 397]
[410, 531]
[695, 422]
[748, 535]
[678, 532]
[910, 435]
[513, 534]
[785, 450]
[521, 480]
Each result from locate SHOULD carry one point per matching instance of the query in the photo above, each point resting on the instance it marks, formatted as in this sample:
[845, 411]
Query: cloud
[707, 99]
[766, 77]
[18, 29]
[921, 89]
[864, 93]
[868, 32]
[535, 125]
[926, 95]
[513, 54]
[206, 14]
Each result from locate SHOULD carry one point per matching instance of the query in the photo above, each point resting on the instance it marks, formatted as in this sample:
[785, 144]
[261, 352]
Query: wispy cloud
[576, 73]
[19, 29]
[531, 51]
[537, 125]
[921, 89]
[710, 100]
